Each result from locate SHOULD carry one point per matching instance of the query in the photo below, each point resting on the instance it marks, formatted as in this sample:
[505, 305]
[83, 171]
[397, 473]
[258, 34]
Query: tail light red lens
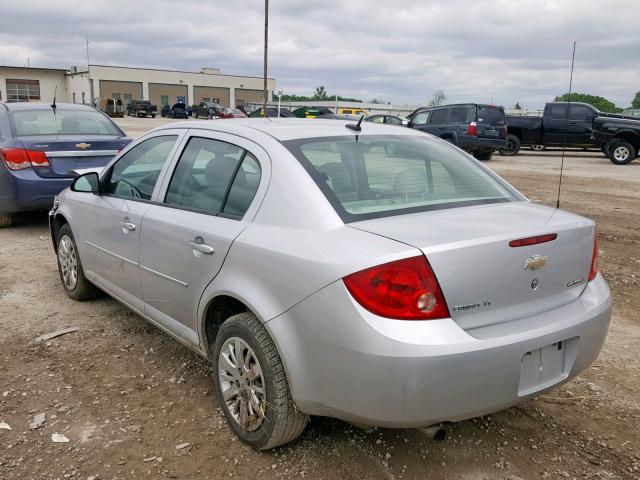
[525, 242]
[593, 271]
[472, 129]
[19, 158]
[405, 290]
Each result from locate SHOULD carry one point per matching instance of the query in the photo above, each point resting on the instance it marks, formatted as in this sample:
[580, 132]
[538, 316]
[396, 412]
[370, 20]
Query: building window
[83, 102]
[115, 96]
[74, 97]
[164, 100]
[23, 90]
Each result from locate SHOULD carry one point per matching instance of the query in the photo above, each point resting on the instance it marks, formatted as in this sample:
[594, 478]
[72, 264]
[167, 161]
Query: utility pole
[89, 74]
[266, 41]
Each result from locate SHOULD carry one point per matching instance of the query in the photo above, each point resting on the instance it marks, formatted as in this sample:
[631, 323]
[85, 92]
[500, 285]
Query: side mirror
[405, 123]
[87, 183]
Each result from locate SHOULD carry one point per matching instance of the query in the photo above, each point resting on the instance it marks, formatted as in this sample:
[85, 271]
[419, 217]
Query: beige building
[161, 87]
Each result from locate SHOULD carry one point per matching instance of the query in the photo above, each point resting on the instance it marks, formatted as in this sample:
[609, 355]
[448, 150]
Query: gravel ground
[125, 395]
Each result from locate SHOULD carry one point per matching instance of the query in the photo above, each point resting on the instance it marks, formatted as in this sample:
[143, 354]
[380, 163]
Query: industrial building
[161, 87]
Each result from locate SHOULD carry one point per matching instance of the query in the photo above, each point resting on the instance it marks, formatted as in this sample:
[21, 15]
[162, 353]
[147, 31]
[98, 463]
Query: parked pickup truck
[619, 136]
[142, 108]
[207, 110]
[553, 128]
[477, 129]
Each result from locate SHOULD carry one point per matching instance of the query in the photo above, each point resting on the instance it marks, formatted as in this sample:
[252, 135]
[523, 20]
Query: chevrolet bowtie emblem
[83, 145]
[536, 262]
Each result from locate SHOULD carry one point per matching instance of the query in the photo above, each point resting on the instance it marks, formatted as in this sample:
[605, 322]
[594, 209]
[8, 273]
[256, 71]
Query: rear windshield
[379, 176]
[490, 114]
[63, 122]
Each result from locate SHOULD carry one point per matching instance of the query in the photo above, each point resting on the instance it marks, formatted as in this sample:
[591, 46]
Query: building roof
[33, 68]
[178, 71]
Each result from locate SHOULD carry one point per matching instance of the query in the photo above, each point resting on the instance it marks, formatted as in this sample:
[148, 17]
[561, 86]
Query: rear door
[491, 122]
[204, 205]
[109, 224]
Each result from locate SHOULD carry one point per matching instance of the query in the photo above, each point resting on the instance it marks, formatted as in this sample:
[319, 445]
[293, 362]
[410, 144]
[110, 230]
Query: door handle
[202, 248]
[128, 226]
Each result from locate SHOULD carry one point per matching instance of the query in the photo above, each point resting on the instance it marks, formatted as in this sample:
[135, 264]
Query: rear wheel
[6, 219]
[483, 156]
[513, 146]
[74, 282]
[621, 152]
[251, 384]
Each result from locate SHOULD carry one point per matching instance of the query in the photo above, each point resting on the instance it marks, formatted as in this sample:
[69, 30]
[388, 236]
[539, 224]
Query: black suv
[477, 129]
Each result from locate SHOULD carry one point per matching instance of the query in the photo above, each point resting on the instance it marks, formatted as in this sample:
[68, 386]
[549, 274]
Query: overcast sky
[402, 51]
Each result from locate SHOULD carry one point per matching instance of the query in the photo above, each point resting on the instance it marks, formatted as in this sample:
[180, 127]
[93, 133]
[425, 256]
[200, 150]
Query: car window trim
[108, 171]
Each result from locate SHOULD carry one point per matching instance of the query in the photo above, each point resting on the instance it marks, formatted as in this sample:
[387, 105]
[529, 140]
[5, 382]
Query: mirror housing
[87, 183]
[405, 123]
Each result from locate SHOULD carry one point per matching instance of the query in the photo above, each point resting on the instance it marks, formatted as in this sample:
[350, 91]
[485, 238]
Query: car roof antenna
[566, 125]
[356, 127]
[53, 105]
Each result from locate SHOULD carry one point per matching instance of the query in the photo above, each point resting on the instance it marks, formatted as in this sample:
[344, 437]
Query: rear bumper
[344, 362]
[475, 144]
[25, 191]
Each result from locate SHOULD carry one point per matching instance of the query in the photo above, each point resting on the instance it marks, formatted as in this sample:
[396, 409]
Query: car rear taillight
[593, 271]
[472, 129]
[19, 158]
[405, 290]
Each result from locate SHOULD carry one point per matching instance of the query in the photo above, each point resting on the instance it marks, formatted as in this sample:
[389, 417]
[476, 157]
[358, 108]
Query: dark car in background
[475, 128]
[311, 112]
[206, 109]
[178, 110]
[387, 119]
[619, 136]
[142, 108]
[40, 146]
[561, 124]
[272, 112]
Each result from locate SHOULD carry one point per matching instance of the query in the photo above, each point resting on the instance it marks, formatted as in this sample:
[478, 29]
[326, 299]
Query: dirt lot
[125, 394]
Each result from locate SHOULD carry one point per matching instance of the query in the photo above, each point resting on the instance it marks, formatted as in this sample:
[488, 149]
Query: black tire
[83, 289]
[621, 152]
[153, 115]
[513, 146]
[282, 421]
[483, 156]
[6, 219]
[195, 115]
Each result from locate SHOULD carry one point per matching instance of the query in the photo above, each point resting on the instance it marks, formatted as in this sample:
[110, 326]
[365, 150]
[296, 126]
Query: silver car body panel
[285, 260]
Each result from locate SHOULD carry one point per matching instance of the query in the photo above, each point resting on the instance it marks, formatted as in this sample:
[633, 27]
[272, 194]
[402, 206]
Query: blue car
[40, 146]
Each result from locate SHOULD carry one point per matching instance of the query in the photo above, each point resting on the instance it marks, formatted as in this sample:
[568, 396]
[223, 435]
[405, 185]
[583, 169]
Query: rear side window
[210, 173]
[379, 176]
[135, 175]
[63, 122]
[459, 114]
[439, 117]
[558, 112]
[490, 114]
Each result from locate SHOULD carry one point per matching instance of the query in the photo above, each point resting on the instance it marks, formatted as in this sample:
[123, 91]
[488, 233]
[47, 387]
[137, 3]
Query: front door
[111, 244]
[186, 235]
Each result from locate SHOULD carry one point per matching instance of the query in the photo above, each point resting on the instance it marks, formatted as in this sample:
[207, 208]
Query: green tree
[636, 101]
[600, 103]
[320, 93]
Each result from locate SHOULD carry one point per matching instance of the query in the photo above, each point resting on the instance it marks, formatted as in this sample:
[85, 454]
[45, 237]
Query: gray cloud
[501, 51]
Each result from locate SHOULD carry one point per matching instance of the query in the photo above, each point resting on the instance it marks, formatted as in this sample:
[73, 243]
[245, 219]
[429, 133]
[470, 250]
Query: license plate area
[544, 367]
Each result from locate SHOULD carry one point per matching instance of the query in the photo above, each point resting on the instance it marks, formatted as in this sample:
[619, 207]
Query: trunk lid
[66, 153]
[483, 279]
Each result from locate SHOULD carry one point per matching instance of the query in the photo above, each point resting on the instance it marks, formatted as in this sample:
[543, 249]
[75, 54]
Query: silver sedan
[369, 273]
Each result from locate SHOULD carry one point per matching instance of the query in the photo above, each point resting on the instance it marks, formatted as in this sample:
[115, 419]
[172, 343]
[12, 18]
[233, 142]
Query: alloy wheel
[242, 384]
[68, 259]
[621, 153]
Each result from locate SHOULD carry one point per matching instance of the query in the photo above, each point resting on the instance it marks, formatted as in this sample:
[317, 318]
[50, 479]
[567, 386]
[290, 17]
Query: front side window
[439, 117]
[421, 118]
[379, 176]
[213, 177]
[63, 122]
[135, 175]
